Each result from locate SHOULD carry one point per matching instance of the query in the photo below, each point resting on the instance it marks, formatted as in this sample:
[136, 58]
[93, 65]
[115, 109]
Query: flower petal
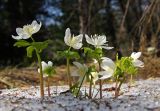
[101, 40]
[105, 74]
[107, 64]
[79, 38]
[44, 65]
[25, 36]
[67, 37]
[106, 47]
[78, 65]
[76, 42]
[50, 64]
[36, 27]
[89, 40]
[19, 31]
[16, 37]
[138, 63]
[135, 55]
[77, 45]
[95, 77]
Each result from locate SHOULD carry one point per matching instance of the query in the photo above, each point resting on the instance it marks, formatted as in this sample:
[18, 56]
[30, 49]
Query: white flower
[94, 76]
[73, 41]
[98, 41]
[27, 30]
[135, 61]
[46, 68]
[109, 67]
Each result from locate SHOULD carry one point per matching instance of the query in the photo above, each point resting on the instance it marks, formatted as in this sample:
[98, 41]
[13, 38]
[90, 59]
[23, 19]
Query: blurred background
[130, 25]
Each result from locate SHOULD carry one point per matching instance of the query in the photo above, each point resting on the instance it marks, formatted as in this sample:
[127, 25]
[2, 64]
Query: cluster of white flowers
[76, 41]
[98, 41]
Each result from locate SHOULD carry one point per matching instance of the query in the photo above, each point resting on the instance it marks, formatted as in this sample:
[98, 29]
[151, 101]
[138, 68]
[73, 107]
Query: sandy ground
[144, 96]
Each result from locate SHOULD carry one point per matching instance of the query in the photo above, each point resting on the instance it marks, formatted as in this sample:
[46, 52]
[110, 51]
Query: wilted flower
[82, 69]
[47, 68]
[135, 61]
[98, 41]
[109, 67]
[27, 30]
[73, 41]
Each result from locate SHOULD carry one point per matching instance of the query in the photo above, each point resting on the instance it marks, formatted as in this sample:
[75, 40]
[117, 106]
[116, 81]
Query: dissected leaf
[40, 45]
[68, 54]
[97, 53]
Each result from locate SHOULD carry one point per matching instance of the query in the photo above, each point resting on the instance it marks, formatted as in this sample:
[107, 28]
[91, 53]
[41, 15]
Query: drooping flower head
[47, 68]
[135, 61]
[27, 31]
[108, 66]
[82, 68]
[98, 41]
[73, 41]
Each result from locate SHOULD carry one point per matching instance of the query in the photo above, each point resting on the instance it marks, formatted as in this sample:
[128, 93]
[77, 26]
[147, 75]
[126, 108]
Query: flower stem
[68, 71]
[80, 85]
[41, 74]
[119, 87]
[131, 81]
[48, 85]
[90, 88]
[116, 87]
[68, 74]
[100, 88]
[100, 81]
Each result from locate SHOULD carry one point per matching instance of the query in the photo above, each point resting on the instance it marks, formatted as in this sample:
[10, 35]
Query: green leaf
[97, 53]
[21, 43]
[73, 54]
[40, 46]
[87, 50]
[30, 50]
[68, 54]
[50, 71]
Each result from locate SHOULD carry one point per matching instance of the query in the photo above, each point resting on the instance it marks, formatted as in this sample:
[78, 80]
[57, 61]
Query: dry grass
[151, 69]
[24, 77]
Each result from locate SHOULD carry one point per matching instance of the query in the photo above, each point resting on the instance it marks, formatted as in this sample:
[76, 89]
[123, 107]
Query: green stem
[68, 71]
[41, 74]
[100, 81]
[81, 85]
[90, 88]
[48, 85]
[131, 81]
[119, 87]
[116, 86]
